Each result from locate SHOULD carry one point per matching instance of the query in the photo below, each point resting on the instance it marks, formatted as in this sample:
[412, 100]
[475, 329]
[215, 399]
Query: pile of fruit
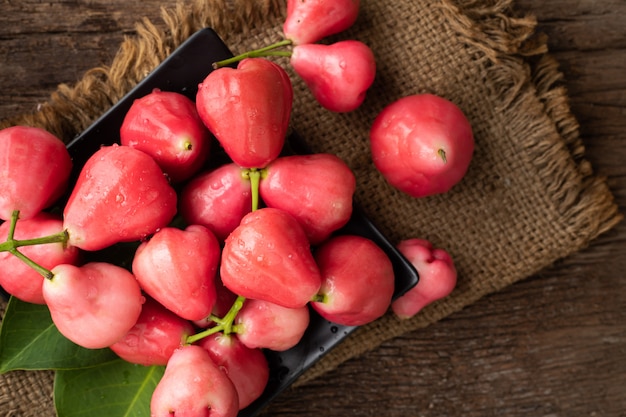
[231, 259]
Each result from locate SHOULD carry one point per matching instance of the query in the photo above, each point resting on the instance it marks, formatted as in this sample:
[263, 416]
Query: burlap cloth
[529, 198]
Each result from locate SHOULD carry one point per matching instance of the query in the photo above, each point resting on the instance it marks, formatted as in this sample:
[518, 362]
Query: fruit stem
[442, 154]
[254, 175]
[224, 324]
[11, 244]
[256, 53]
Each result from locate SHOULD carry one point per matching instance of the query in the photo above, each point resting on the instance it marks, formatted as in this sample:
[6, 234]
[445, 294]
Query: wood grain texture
[552, 345]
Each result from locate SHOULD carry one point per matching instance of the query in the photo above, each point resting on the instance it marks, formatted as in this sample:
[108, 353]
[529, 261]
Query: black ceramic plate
[182, 71]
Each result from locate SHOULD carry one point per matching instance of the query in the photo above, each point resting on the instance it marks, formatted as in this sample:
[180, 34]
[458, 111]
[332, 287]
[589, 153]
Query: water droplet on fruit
[234, 99]
[342, 64]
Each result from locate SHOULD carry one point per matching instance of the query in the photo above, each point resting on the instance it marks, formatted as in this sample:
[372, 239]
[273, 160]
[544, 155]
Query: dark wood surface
[551, 345]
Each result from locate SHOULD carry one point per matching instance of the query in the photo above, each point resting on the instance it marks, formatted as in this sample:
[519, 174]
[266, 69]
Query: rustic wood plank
[552, 345]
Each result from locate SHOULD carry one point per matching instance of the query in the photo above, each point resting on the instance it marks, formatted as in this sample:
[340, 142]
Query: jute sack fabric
[529, 198]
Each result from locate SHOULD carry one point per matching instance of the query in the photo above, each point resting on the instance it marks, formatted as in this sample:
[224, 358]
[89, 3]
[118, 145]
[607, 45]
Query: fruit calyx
[11, 245]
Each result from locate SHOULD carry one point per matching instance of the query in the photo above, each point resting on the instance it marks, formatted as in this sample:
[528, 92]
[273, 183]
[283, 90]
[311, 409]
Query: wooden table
[552, 345]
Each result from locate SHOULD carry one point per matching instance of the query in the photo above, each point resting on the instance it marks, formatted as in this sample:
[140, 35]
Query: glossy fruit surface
[312, 20]
[155, 336]
[194, 386]
[437, 272]
[248, 110]
[34, 169]
[422, 144]
[121, 195]
[338, 74]
[268, 257]
[166, 126]
[357, 280]
[178, 268]
[93, 305]
[316, 189]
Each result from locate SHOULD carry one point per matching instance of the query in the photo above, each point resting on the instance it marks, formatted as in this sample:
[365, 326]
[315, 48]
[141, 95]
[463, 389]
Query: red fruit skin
[34, 170]
[262, 324]
[310, 21]
[406, 139]
[166, 126]
[437, 273]
[217, 199]
[223, 303]
[268, 257]
[316, 189]
[338, 74]
[155, 336]
[121, 195]
[248, 110]
[93, 305]
[194, 386]
[19, 279]
[247, 368]
[178, 268]
[357, 280]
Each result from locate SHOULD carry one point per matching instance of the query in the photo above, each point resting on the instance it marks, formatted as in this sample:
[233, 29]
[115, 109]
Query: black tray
[181, 72]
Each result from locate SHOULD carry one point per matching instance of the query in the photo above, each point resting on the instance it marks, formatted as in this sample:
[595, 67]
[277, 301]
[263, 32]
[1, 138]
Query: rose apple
[247, 109]
[310, 21]
[166, 126]
[262, 324]
[34, 170]
[422, 144]
[93, 305]
[194, 386]
[121, 195]
[247, 368]
[357, 280]
[155, 336]
[178, 268]
[437, 274]
[316, 189]
[217, 199]
[338, 75]
[268, 257]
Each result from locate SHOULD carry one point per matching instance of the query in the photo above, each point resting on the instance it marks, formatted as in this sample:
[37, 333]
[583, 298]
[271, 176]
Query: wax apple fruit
[247, 368]
[121, 195]
[268, 257]
[155, 336]
[217, 199]
[437, 273]
[247, 109]
[93, 305]
[194, 386]
[18, 278]
[310, 21]
[166, 126]
[357, 280]
[262, 324]
[316, 189]
[178, 267]
[34, 170]
[422, 144]
[338, 74]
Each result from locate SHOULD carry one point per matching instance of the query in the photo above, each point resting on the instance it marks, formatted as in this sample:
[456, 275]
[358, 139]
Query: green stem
[224, 325]
[257, 53]
[442, 154]
[11, 245]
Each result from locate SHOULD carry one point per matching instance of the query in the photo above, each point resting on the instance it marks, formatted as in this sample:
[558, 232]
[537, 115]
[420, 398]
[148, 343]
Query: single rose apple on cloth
[422, 144]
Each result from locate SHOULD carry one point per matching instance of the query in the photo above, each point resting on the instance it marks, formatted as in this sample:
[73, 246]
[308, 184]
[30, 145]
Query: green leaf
[116, 389]
[29, 340]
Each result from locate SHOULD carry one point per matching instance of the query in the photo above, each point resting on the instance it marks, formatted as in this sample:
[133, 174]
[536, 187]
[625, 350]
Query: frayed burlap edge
[519, 67]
